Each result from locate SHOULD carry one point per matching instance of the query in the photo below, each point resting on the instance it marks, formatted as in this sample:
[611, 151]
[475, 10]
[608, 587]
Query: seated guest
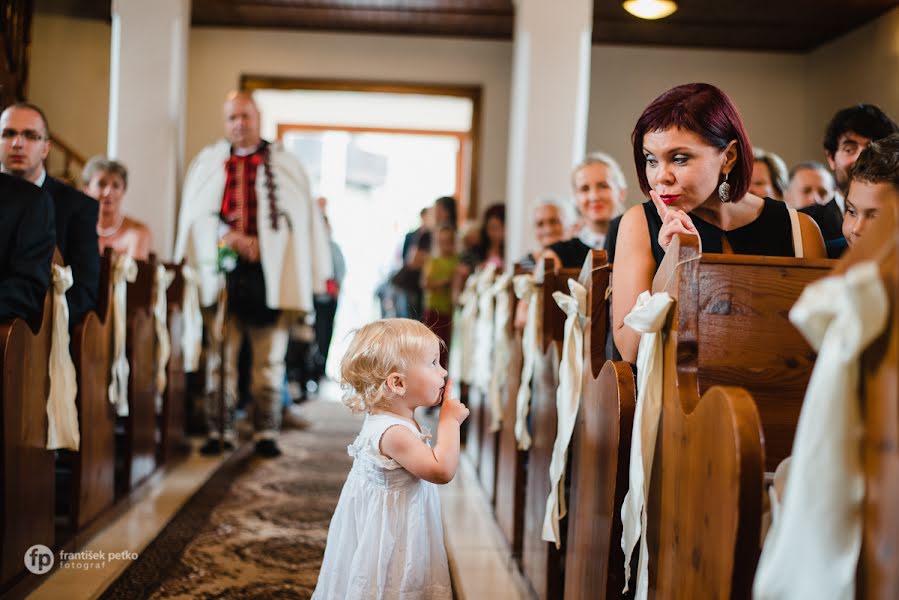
[29, 235]
[810, 184]
[490, 248]
[694, 160]
[848, 133]
[549, 228]
[873, 184]
[812, 191]
[25, 145]
[599, 190]
[769, 175]
[105, 181]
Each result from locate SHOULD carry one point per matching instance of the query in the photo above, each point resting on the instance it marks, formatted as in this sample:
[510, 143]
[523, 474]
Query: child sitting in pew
[873, 184]
[386, 536]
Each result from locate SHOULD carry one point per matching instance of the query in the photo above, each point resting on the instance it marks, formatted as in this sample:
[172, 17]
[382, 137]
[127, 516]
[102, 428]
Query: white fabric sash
[125, 271]
[163, 279]
[812, 548]
[568, 400]
[62, 414]
[192, 321]
[469, 301]
[483, 330]
[501, 349]
[525, 290]
[647, 317]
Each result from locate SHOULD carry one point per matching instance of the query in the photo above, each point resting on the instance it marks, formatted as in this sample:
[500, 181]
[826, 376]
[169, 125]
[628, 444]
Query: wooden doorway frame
[467, 206]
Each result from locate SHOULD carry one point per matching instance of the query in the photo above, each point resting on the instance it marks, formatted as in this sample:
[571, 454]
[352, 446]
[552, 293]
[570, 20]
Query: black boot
[267, 448]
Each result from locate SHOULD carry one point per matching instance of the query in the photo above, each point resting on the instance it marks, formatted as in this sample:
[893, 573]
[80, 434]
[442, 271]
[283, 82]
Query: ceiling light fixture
[650, 9]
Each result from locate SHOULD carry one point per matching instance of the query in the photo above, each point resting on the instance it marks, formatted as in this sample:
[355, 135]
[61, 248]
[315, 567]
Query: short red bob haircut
[706, 111]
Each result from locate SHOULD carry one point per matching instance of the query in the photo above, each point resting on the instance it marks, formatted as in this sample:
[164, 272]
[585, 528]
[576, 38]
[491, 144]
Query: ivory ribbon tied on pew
[648, 318]
[568, 400]
[469, 301]
[812, 548]
[192, 321]
[163, 280]
[501, 348]
[525, 290]
[125, 271]
[483, 332]
[62, 414]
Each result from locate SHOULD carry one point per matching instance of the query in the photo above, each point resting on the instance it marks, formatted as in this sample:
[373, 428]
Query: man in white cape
[246, 196]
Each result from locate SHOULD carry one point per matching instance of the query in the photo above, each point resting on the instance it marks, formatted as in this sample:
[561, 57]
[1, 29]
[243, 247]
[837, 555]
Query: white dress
[386, 538]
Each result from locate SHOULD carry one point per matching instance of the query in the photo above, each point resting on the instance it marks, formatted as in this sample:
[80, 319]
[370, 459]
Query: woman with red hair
[694, 160]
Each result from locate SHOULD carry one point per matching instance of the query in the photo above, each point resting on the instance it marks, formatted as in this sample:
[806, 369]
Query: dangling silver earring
[724, 190]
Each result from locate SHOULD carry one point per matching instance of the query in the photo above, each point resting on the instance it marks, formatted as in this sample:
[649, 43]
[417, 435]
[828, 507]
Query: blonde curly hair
[377, 350]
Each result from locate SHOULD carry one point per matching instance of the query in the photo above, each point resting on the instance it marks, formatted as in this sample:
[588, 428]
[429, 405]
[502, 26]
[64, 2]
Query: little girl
[386, 537]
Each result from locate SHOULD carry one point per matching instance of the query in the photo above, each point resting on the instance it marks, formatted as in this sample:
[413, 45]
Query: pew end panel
[93, 466]
[728, 326]
[172, 425]
[27, 479]
[542, 562]
[136, 454]
[510, 464]
[878, 566]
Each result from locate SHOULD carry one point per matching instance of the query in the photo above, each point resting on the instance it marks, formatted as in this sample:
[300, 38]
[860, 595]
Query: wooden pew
[728, 327]
[476, 398]
[598, 455]
[510, 461]
[878, 566]
[27, 476]
[541, 561]
[92, 468]
[173, 439]
[136, 452]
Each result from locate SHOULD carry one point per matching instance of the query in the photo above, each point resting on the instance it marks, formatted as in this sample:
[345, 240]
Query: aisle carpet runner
[257, 528]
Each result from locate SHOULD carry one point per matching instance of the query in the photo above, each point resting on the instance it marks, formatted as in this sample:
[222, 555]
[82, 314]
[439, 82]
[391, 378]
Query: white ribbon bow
[483, 331]
[62, 414]
[568, 400]
[163, 279]
[501, 348]
[192, 321]
[647, 317]
[812, 547]
[469, 301]
[525, 290]
[125, 271]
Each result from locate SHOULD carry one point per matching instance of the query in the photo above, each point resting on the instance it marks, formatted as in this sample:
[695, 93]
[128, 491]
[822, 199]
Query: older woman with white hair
[600, 191]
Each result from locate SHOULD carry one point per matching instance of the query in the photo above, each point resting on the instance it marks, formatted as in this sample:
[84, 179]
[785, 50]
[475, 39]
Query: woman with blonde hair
[600, 191]
[105, 181]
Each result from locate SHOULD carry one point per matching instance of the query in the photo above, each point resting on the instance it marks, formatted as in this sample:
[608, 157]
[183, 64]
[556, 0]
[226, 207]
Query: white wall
[69, 79]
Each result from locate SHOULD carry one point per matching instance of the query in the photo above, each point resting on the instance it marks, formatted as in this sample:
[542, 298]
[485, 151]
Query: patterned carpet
[257, 528]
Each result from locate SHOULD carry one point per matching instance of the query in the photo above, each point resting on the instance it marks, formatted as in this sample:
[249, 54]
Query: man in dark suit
[25, 145]
[27, 237]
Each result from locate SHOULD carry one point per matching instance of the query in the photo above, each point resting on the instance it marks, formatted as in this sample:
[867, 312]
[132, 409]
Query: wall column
[147, 106]
[548, 116]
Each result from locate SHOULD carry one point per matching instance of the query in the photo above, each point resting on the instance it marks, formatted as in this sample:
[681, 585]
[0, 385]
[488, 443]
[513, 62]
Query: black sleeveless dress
[771, 234]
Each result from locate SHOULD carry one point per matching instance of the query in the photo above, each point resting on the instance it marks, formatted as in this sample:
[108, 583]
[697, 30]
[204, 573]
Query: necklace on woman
[109, 231]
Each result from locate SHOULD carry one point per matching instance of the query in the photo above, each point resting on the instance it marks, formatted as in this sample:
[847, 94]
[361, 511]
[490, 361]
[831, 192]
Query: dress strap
[797, 232]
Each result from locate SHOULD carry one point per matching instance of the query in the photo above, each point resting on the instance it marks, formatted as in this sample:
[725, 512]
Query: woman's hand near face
[674, 221]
